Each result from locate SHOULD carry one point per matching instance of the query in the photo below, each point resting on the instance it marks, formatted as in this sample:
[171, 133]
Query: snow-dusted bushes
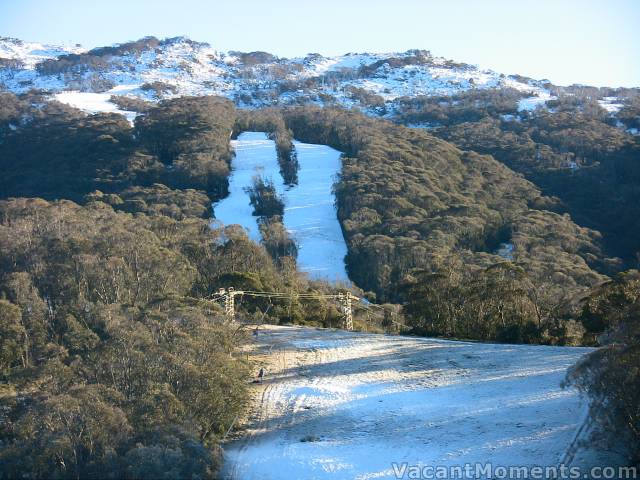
[159, 89]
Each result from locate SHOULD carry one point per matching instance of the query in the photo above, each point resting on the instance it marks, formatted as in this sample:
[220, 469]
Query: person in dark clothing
[261, 374]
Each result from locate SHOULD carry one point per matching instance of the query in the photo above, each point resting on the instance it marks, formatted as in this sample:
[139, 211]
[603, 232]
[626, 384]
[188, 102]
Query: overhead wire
[309, 295]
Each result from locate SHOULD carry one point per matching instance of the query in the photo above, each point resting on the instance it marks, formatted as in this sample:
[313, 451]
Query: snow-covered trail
[344, 405]
[310, 214]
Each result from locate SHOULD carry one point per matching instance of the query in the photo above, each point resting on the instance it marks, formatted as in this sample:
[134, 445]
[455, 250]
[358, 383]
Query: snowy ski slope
[309, 215]
[341, 405]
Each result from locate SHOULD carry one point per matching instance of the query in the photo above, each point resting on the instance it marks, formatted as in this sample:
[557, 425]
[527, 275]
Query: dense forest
[573, 150]
[116, 362]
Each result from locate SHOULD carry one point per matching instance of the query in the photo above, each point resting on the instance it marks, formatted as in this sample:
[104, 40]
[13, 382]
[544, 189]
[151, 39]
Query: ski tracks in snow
[345, 405]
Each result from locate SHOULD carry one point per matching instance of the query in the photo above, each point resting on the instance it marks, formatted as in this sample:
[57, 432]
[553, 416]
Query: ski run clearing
[309, 212]
[343, 405]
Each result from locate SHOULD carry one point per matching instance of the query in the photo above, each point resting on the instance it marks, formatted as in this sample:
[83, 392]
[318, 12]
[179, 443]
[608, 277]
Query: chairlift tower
[347, 311]
[229, 302]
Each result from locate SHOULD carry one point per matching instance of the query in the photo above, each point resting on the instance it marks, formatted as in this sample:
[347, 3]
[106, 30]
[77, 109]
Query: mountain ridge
[251, 79]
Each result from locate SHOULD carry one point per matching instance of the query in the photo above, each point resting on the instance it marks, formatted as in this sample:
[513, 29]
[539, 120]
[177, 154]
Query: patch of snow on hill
[30, 53]
[96, 102]
[320, 65]
[191, 69]
[409, 80]
[506, 251]
[538, 100]
[610, 104]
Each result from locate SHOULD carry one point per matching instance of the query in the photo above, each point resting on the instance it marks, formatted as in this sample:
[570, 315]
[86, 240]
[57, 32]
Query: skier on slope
[261, 374]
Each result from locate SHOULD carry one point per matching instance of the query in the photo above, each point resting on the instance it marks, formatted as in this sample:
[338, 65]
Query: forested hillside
[110, 362]
[494, 224]
[114, 361]
[573, 149]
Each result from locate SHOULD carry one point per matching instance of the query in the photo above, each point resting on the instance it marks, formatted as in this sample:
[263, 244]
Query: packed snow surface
[309, 215]
[255, 155]
[343, 405]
